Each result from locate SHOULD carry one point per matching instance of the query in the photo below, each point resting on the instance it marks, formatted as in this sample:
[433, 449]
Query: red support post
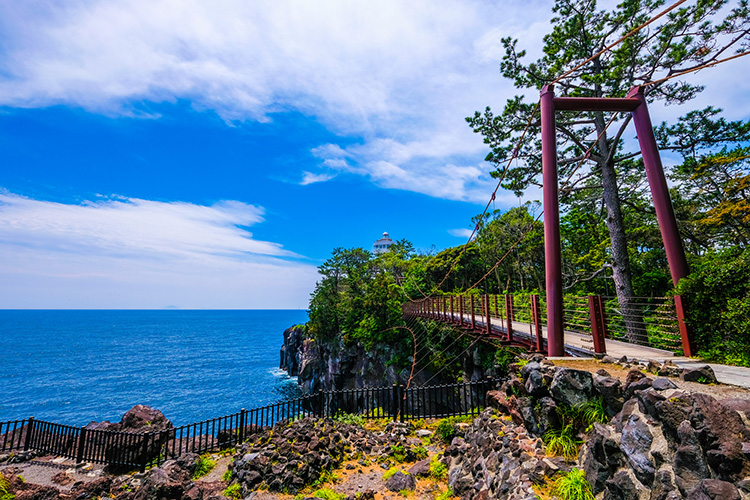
[552, 253]
[473, 320]
[488, 325]
[670, 234]
[688, 347]
[509, 316]
[597, 323]
[537, 319]
[453, 316]
[461, 309]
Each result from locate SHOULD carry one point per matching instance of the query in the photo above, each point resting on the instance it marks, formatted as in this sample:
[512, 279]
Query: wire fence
[139, 450]
[521, 319]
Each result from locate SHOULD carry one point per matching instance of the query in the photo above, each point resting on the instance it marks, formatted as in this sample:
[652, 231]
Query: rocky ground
[671, 437]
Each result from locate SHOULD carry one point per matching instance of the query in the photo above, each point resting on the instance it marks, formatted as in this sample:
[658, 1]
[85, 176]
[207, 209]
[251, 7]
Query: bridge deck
[581, 345]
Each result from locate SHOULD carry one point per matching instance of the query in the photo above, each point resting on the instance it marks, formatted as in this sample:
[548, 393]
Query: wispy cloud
[460, 233]
[310, 178]
[142, 253]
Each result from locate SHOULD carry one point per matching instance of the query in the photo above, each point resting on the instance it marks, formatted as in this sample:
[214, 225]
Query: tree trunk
[621, 274]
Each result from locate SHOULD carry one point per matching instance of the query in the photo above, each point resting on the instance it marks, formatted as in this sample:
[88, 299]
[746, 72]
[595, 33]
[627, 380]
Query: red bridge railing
[589, 321]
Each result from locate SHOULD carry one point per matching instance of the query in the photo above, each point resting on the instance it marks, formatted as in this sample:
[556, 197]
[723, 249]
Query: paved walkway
[583, 345]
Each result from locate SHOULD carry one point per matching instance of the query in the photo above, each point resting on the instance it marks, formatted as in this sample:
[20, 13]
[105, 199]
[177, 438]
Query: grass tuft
[203, 467]
[573, 486]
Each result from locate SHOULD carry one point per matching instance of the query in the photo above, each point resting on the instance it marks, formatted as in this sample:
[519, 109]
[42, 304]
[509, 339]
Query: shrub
[398, 453]
[203, 467]
[573, 486]
[438, 470]
[446, 429]
[717, 305]
[328, 494]
[233, 491]
[350, 418]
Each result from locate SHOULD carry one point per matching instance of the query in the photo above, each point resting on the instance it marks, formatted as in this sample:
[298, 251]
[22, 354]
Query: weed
[405, 493]
[446, 495]
[420, 453]
[438, 470]
[562, 442]
[327, 476]
[446, 428]
[389, 473]
[299, 496]
[227, 476]
[418, 424]
[398, 453]
[573, 486]
[349, 418]
[5, 493]
[203, 467]
[594, 411]
[233, 491]
[328, 494]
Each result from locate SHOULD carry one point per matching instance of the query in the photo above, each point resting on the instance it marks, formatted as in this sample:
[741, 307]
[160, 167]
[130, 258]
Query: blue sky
[211, 155]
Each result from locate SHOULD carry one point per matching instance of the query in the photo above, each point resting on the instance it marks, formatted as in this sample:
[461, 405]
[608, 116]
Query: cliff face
[333, 366]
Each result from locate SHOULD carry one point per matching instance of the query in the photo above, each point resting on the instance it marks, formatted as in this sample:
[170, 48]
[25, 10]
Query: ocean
[74, 367]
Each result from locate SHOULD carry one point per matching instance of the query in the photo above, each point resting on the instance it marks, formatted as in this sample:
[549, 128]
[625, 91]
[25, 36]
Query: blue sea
[74, 367]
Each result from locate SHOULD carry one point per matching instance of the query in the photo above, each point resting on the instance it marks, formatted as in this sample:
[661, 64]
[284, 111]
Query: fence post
[487, 314]
[473, 320]
[394, 403]
[536, 317]
[144, 452]
[597, 323]
[509, 315]
[688, 346]
[27, 444]
[401, 402]
[321, 403]
[243, 418]
[81, 445]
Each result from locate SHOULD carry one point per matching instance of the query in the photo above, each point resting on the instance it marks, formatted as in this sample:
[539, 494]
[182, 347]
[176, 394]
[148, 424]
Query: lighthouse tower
[381, 245]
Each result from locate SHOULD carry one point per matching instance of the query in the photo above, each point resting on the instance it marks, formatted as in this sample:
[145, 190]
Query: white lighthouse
[381, 245]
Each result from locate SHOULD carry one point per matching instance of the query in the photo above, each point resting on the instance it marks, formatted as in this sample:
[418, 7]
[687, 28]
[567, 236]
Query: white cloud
[460, 233]
[310, 178]
[394, 79]
[139, 253]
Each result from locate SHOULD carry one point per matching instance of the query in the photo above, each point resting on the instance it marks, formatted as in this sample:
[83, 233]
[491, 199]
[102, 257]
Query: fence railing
[521, 319]
[139, 450]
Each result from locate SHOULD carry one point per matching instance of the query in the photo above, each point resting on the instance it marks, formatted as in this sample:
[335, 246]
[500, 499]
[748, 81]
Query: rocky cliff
[334, 366]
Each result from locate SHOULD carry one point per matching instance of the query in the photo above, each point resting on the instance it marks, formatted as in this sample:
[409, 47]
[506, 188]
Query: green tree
[686, 38]
[515, 239]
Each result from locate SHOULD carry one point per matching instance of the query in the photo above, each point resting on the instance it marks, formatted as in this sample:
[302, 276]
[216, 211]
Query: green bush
[350, 418]
[446, 429]
[717, 302]
[203, 467]
[233, 491]
[573, 486]
[328, 494]
[438, 470]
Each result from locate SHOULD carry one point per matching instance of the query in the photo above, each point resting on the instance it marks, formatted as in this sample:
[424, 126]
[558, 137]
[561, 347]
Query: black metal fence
[131, 450]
